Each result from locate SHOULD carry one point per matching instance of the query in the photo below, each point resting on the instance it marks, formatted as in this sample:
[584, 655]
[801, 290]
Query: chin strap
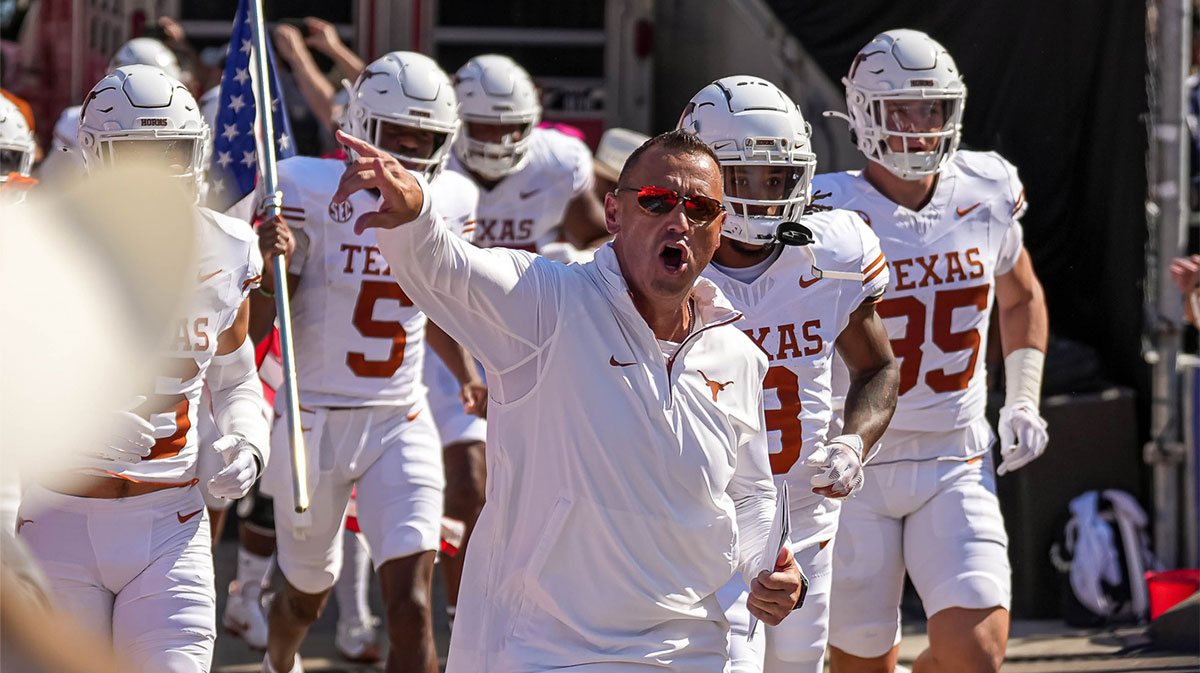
[796, 234]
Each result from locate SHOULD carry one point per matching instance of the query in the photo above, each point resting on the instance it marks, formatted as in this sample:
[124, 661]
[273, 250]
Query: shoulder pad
[839, 244]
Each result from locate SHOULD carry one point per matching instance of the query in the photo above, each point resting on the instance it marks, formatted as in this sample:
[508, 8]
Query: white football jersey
[944, 260]
[229, 266]
[524, 210]
[359, 340]
[795, 319]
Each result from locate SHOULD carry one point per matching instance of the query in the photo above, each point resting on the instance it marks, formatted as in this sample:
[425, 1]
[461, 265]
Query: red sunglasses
[700, 210]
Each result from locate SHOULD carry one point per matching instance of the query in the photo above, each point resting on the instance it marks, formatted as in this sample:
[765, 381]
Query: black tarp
[1059, 89]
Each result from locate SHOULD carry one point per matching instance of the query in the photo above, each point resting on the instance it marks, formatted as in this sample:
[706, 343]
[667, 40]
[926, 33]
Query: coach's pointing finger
[402, 196]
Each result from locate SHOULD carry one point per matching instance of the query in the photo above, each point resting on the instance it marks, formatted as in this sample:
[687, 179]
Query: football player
[17, 150]
[64, 162]
[359, 351]
[125, 539]
[535, 184]
[949, 223]
[802, 300]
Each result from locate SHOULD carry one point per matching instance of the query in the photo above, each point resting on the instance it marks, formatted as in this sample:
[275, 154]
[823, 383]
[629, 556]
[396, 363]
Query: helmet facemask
[760, 194]
[491, 159]
[376, 128]
[15, 160]
[911, 132]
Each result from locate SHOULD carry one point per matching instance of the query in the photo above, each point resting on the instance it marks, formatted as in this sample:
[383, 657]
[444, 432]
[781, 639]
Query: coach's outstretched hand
[376, 169]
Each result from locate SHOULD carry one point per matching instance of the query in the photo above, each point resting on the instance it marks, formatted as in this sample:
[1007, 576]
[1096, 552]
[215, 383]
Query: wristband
[1023, 378]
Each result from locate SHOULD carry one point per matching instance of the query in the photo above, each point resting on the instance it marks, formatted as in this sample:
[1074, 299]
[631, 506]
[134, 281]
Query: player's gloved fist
[241, 468]
[840, 460]
[1023, 437]
[131, 439]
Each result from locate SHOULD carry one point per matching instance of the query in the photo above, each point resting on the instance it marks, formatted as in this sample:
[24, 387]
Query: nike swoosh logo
[721, 146]
[612, 360]
[183, 518]
[806, 283]
[201, 279]
[528, 194]
[413, 415]
[962, 212]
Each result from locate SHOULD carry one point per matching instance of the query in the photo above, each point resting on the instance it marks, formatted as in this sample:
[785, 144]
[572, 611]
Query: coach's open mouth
[674, 257]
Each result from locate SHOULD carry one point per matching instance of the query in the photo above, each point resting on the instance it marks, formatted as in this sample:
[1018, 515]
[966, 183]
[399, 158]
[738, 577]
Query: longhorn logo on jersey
[341, 212]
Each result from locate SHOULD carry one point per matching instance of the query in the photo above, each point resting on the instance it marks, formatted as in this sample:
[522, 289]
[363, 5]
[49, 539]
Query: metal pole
[1167, 215]
[270, 181]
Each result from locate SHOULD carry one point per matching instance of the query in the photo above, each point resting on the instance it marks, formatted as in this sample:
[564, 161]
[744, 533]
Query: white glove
[1023, 437]
[241, 468]
[131, 439]
[841, 460]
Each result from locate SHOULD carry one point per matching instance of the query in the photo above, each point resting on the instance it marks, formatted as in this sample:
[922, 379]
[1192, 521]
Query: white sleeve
[237, 397]
[583, 172]
[753, 492]
[874, 265]
[502, 305]
[1010, 249]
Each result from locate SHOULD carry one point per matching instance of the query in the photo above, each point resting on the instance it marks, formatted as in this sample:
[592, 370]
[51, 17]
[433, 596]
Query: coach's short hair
[676, 140]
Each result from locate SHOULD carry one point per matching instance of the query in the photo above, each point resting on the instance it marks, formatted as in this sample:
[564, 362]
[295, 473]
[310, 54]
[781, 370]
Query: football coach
[628, 476]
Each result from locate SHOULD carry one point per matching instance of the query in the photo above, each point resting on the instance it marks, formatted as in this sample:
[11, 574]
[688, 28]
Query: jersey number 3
[366, 324]
[908, 347]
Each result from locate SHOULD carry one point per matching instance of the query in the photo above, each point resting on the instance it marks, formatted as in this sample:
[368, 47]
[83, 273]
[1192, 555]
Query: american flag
[235, 150]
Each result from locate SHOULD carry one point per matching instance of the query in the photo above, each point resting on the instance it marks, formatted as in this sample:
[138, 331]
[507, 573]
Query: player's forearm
[317, 90]
[262, 315]
[871, 401]
[1024, 323]
[456, 358]
[348, 62]
[238, 404]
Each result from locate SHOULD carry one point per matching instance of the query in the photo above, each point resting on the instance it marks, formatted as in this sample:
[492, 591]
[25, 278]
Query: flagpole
[271, 208]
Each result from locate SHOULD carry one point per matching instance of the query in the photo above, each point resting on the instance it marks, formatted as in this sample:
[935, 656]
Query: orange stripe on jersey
[871, 266]
[1020, 202]
[251, 281]
[874, 273]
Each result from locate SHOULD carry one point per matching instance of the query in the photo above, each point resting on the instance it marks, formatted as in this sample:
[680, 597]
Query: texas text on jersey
[944, 260]
[525, 208]
[229, 266]
[795, 317]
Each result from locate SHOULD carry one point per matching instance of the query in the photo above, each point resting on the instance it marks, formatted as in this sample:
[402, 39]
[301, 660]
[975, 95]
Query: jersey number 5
[907, 348]
[364, 320]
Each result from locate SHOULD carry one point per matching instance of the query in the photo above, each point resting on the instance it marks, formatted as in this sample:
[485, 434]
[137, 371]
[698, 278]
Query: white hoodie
[618, 480]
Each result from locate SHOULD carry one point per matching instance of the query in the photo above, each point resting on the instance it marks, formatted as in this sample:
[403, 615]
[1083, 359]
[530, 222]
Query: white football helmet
[16, 141]
[146, 51]
[903, 84]
[405, 88]
[762, 142]
[138, 112]
[493, 89]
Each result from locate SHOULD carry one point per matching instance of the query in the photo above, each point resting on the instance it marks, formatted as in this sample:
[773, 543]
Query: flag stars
[285, 143]
[241, 75]
[248, 159]
[230, 132]
[224, 159]
[237, 103]
[274, 105]
[247, 46]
